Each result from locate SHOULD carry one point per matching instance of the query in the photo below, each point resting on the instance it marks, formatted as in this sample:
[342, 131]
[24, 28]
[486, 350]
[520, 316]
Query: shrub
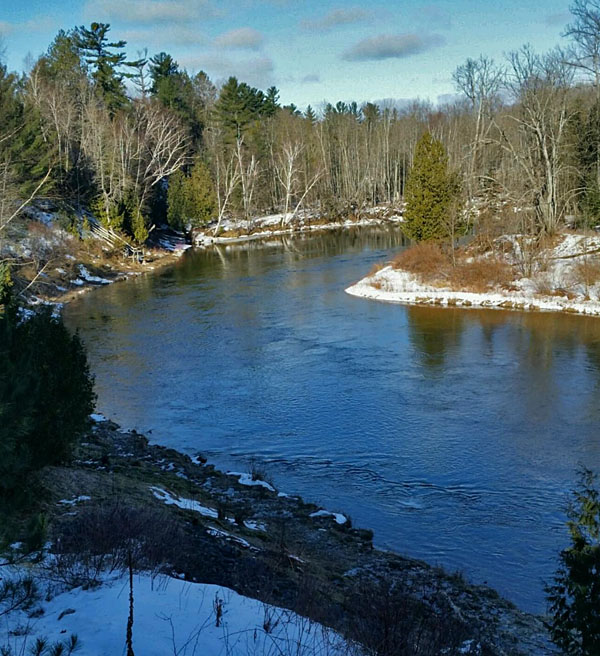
[191, 199]
[110, 538]
[46, 394]
[481, 274]
[574, 595]
[587, 272]
[427, 260]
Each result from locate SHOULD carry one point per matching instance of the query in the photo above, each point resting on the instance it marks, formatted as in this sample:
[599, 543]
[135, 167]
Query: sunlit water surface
[454, 434]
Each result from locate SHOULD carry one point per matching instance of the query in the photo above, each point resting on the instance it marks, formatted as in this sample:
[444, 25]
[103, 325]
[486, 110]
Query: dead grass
[587, 271]
[427, 260]
[481, 274]
[375, 268]
[432, 265]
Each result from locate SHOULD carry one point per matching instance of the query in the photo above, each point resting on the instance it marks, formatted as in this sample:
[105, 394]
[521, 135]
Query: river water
[454, 434]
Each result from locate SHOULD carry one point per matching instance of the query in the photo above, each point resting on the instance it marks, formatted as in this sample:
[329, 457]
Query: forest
[141, 141]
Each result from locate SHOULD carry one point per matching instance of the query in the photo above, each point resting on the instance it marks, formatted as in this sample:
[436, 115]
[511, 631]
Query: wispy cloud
[242, 38]
[434, 17]
[179, 34]
[561, 18]
[392, 46]
[338, 17]
[150, 11]
[6, 28]
[311, 78]
[258, 71]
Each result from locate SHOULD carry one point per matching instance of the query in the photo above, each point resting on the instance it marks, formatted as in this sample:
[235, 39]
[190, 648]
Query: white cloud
[242, 38]
[6, 28]
[392, 46]
[150, 11]
[338, 17]
[181, 35]
[257, 71]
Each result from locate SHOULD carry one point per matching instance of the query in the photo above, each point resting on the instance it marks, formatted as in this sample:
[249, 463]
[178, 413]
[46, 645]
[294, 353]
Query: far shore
[60, 287]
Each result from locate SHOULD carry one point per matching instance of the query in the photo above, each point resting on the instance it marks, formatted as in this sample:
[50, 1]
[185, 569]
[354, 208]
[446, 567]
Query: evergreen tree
[575, 594]
[430, 192]
[25, 155]
[105, 59]
[310, 115]
[271, 102]
[63, 62]
[176, 90]
[238, 106]
[162, 67]
[191, 199]
[46, 395]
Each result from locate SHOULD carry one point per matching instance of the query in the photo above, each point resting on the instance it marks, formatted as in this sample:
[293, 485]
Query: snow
[218, 533]
[253, 525]
[88, 277]
[73, 502]
[186, 504]
[555, 270]
[339, 518]
[246, 479]
[280, 224]
[171, 616]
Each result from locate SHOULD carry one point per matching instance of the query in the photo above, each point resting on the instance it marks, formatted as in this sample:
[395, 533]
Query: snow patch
[395, 286]
[339, 518]
[73, 502]
[218, 533]
[246, 479]
[171, 616]
[88, 277]
[186, 504]
[253, 525]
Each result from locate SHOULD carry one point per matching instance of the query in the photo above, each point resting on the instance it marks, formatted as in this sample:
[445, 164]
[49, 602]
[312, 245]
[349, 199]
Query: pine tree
[310, 115]
[238, 106]
[430, 192]
[271, 103]
[46, 395]
[575, 594]
[106, 60]
[191, 199]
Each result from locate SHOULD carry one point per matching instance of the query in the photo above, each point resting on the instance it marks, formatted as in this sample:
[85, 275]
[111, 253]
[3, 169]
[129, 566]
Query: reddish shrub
[427, 260]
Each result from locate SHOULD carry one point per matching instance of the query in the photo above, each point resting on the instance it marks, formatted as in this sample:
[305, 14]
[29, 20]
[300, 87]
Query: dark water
[454, 434]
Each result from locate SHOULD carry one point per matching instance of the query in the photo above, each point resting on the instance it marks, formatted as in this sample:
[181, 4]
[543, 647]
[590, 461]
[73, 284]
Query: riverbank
[264, 227]
[561, 276]
[236, 530]
[53, 267]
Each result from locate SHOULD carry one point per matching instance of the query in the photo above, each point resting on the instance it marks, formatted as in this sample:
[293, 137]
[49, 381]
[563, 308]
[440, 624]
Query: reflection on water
[455, 434]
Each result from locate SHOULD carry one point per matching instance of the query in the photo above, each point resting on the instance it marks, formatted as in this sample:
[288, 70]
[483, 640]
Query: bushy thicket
[46, 395]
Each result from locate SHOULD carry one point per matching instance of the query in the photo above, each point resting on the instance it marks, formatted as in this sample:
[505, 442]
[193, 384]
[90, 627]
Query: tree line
[140, 141]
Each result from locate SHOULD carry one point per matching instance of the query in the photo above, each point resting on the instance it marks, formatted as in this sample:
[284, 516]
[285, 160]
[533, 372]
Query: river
[454, 434]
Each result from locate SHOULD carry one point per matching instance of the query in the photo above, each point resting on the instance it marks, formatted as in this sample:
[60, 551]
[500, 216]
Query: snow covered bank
[557, 283]
[237, 230]
[171, 616]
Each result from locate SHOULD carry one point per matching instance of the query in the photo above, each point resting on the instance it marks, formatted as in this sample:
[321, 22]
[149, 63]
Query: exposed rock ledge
[242, 533]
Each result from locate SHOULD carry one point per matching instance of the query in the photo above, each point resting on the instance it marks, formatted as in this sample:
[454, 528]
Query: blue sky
[311, 50]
